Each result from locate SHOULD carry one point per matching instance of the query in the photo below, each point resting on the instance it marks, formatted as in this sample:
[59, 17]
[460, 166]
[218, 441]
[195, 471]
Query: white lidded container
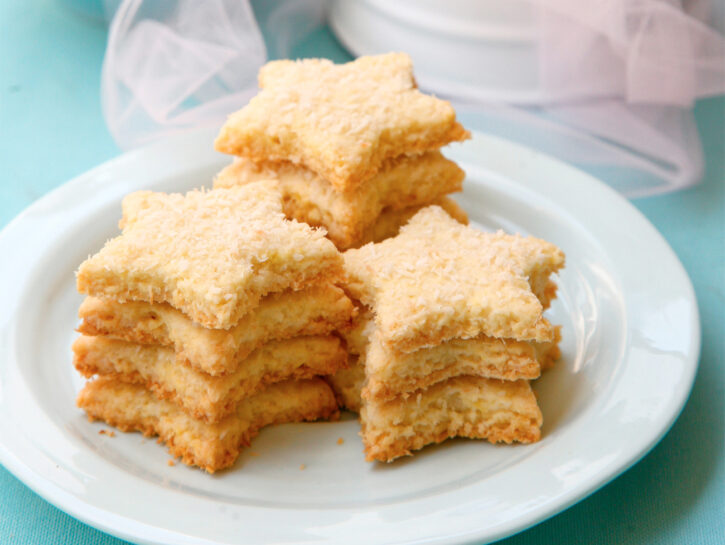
[463, 49]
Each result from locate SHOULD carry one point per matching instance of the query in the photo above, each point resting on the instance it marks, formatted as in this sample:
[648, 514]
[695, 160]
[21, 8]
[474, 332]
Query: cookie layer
[402, 182]
[213, 255]
[473, 407]
[340, 121]
[201, 395]
[130, 407]
[439, 280]
[316, 310]
[391, 373]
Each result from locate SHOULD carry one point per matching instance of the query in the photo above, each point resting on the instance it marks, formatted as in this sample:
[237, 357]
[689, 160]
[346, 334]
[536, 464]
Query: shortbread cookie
[473, 407]
[440, 280]
[340, 121]
[347, 384]
[316, 310]
[391, 373]
[402, 182]
[389, 222]
[203, 396]
[130, 407]
[211, 254]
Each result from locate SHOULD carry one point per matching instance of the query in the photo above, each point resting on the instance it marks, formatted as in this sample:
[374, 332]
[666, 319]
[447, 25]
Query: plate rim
[129, 528]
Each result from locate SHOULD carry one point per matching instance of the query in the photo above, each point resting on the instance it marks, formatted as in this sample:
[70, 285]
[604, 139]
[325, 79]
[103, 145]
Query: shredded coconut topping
[211, 254]
[439, 280]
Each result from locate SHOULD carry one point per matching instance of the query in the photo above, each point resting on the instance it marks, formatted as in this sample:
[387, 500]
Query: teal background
[51, 130]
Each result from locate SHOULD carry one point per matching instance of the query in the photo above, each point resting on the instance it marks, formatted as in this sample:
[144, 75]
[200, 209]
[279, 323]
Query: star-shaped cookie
[341, 121]
[439, 280]
[210, 254]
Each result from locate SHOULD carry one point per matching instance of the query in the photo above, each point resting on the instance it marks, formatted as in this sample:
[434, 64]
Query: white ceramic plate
[630, 350]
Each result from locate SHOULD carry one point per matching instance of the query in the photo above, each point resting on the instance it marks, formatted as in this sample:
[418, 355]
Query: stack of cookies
[456, 333]
[216, 313]
[354, 147]
[209, 317]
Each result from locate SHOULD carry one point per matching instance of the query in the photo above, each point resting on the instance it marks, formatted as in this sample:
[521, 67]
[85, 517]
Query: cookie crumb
[302, 466]
[111, 433]
[102, 432]
[340, 440]
[171, 463]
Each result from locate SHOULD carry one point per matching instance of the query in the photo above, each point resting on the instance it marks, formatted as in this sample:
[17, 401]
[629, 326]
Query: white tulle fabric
[619, 78]
[176, 65]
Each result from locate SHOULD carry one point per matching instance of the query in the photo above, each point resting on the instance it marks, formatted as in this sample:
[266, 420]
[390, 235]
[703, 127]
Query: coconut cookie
[211, 254]
[130, 407]
[341, 121]
[438, 280]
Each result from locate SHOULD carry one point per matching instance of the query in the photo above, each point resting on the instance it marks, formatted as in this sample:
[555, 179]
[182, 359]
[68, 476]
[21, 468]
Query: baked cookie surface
[211, 254]
[340, 121]
[439, 280]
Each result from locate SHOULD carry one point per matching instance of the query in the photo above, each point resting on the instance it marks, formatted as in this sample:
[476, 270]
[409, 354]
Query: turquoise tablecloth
[51, 129]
